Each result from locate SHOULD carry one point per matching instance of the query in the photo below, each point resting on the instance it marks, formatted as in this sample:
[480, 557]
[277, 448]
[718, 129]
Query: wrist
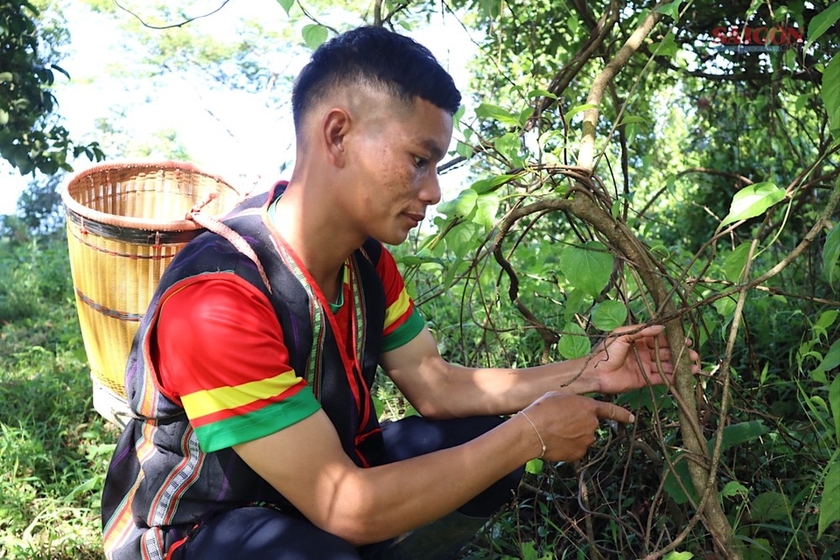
[536, 431]
[588, 375]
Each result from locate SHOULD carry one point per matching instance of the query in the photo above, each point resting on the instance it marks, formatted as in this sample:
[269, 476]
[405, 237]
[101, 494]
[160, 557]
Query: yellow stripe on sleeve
[209, 401]
[397, 309]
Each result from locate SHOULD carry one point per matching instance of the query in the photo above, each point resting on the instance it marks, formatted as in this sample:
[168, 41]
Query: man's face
[392, 153]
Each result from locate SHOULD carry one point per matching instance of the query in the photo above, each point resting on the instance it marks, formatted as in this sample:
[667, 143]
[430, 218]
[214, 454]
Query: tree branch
[586, 155]
[173, 25]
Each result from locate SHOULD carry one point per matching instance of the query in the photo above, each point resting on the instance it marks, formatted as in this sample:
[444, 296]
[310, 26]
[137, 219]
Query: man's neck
[315, 236]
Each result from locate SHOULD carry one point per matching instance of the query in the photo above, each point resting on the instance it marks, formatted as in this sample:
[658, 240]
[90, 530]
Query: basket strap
[212, 224]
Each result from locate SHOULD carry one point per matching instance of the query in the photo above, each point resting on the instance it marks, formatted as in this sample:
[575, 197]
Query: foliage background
[703, 171]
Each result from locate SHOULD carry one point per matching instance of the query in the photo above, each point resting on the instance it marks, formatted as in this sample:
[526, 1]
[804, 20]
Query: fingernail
[632, 418]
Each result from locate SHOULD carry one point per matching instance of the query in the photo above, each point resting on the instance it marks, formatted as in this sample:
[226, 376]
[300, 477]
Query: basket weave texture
[125, 223]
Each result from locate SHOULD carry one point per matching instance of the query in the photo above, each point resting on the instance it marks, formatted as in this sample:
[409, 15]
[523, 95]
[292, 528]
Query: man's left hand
[627, 359]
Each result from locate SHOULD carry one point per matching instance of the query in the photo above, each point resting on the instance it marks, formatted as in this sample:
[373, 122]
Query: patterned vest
[160, 485]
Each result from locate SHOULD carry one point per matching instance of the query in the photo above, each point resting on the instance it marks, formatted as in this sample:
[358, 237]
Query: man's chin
[392, 239]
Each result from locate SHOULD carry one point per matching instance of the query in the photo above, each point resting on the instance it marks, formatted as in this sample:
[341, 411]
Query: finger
[632, 334]
[609, 411]
[648, 340]
[651, 332]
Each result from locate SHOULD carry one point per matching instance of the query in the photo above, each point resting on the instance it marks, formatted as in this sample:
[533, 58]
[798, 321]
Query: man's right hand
[567, 423]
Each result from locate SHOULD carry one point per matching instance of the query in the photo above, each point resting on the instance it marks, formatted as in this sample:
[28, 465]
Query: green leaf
[743, 432]
[456, 118]
[666, 47]
[769, 506]
[491, 8]
[510, 146]
[825, 320]
[759, 549]
[378, 406]
[608, 315]
[462, 206]
[534, 466]
[424, 256]
[726, 307]
[615, 209]
[486, 207]
[587, 268]
[573, 343]
[460, 240]
[735, 262]
[314, 35]
[674, 555]
[464, 150]
[645, 397]
[4, 117]
[831, 254]
[672, 10]
[822, 22]
[802, 99]
[752, 201]
[630, 119]
[576, 302]
[541, 93]
[286, 5]
[488, 111]
[483, 186]
[83, 488]
[830, 93]
[733, 435]
[572, 23]
[831, 359]
[754, 8]
[734, 488]
[575, 110]
[830, 502]
[819, 402]
[834, 402]
[673, 479]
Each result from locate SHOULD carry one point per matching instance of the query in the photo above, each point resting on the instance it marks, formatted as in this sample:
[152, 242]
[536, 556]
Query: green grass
[54, 448]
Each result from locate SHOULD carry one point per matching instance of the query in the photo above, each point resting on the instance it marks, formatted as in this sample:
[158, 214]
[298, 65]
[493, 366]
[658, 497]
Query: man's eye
[420, 161]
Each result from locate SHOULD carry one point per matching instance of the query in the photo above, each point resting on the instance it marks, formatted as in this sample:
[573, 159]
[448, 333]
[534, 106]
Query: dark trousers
[268, 534]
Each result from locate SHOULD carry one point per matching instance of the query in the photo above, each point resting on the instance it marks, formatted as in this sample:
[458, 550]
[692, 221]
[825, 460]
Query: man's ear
[336, 126]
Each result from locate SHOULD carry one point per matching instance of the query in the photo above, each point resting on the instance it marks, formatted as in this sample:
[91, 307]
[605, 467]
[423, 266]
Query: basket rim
[72, 206]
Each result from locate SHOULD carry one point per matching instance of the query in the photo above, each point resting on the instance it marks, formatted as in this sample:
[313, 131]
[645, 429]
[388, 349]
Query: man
[250, 377]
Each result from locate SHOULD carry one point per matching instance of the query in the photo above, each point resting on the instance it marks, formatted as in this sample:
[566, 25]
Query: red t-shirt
[219, 351]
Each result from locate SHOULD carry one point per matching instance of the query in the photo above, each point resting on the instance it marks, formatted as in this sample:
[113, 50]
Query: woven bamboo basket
[125, 223]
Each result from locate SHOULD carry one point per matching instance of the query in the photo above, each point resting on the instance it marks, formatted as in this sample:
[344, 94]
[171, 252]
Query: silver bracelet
[522, 412]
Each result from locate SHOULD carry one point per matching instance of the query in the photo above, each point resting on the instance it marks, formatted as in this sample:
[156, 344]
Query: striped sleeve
[402, 319]
[220, 353]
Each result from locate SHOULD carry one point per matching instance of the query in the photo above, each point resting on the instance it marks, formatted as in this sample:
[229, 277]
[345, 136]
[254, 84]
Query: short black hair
[377, 56]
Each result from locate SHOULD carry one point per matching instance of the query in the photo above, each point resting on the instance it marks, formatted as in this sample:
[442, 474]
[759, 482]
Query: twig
[173, 25]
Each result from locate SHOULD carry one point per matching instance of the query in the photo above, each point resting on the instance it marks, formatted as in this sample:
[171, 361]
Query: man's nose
[430, 191]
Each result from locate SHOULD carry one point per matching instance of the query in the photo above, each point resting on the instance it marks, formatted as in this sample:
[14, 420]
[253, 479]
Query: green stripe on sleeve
[260, 423]
[405, 333]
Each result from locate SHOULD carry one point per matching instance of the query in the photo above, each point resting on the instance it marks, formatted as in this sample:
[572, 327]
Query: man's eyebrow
[434, 149]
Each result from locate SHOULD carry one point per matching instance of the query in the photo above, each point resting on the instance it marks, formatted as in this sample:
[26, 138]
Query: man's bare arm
[306, 463]
[628, 359]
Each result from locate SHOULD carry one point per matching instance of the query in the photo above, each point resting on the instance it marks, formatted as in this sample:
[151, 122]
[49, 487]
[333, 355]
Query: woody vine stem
[588, 201]
[584, 204]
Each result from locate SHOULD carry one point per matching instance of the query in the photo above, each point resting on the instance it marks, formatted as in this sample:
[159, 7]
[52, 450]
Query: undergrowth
[53, 448]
